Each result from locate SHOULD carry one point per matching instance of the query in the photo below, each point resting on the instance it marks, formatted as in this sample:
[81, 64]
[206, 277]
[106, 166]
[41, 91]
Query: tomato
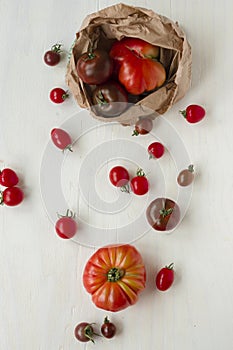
[193, 113]
[138, 69]
[163, 214]
[84, 332]
[143, 126]
[110, 99]
[8, 178]
[119, 176]
[108, 329]
[66, 226]
[61, 139]
[58, 95]
[94, 67]
[114, 275]
[11, 196]
[156, 150]
[165, 277]
[186, 176]
[139, 184]
[52, 57]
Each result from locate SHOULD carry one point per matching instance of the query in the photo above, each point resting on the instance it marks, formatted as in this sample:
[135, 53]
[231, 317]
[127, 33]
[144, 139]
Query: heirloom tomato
[137, 66]
[114, 275]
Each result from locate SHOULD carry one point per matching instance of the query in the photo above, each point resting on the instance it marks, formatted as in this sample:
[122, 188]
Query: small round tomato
[165, 277]
[110, 99]
[193, 113]
[94, 67]
[58, 95]
[66, 226]
[163, 214]
[11, 196]
[119, 176]
[84, 332]
[61, 139]
[139, 184]
[8, 178]
[155, 150]
[52, 57]
[186, 176]
[143, 126]
[108, 329]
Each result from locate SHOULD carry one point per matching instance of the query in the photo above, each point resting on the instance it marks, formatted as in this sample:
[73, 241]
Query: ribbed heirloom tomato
[114, 275]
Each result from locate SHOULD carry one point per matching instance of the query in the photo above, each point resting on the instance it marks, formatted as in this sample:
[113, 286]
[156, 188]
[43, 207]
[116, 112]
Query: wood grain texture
[41, 294]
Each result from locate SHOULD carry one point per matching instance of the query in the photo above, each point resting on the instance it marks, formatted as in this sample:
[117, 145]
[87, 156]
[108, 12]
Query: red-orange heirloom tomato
[114, 275]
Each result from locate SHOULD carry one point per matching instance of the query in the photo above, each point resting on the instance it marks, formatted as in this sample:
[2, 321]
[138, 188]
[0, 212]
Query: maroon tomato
[156, 150]
[143, 126]
[94, 67]
[137, 65]
[61, 139]
[11, 196]
[58, 95]
[52, 57]
[163, 214]
[165, 277]
[119, 176]
[8, 178]
[110, 99]
[66, 226]
[193, 113]
[108, 329]
[186, 176]
[139, 184]
[84, 332]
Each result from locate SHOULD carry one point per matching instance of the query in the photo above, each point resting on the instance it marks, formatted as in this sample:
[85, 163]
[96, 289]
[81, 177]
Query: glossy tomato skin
[114, 276]
[156, 150]
[137, 68]
[66, 227]
[143, 126]
[12, 196]
[110, 99]
[163, 214]
[8, 178]
[58, 95]
[108, 329]
[61, 139]
[139, 185]
[165, 278]
[119, 176]
[84, 332]
[193, 113]
[52, 57]
[186, 176]
[94, 67]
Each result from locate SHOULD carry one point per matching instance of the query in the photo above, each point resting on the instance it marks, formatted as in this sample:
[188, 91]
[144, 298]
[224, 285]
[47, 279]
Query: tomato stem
[135, 133]
[100, 99]
[140, 172]
[191, 168]
[184, 114]
[88, 331]
[115, 274]
[106, 320]
[65, 95]
[1, 198]
[69, 214]
[69, 147]
[170, 267]
[165, 212]
[56, 48]
[125, 188]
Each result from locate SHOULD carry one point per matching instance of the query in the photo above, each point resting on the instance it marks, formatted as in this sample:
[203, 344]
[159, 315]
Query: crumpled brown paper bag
[100, 29]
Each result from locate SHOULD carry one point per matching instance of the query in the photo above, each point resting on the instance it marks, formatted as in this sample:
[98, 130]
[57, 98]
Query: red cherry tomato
[61, 139]
[11, 196]
[108, 329]
[8, 178]
[193, 113]
[155, 150]
[66, 226]
[143, 126]
[58, 95]
[165, 277]
[139, 184]
[119, 176]
[52, 57]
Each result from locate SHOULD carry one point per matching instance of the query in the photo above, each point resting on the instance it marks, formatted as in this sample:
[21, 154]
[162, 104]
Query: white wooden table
[41, 293]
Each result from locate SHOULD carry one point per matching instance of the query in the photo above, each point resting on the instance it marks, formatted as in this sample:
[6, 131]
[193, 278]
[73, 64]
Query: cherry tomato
[186, 176]
[94, 67]
[11, 196]
[165, 277]
[110, 99]
[8, 178]
[139, 184]
[193, 113]
[61, 139]
[66, 226]
[58, 95]
[163, 214]
[84, 332]
[52, 57]
[155, 150]
[119, 176]
[143, 126]
[108, 329]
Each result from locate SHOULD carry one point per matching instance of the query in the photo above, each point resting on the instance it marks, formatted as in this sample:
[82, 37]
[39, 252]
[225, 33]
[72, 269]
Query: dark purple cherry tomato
[58, 95]
[143, 126]
[108, 329]
[186, 176]
[66, 226]
[11, 196]
[163, 214]
[110, 99]
[165, 277]
[61, 139]
[94, 67]
[84, 332]
[193, 113]
[155, 150]
[52, 57]
[8, 178]
[139, 184]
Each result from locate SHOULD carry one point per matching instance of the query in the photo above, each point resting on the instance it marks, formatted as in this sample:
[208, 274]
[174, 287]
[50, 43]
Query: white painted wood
[41, 294]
